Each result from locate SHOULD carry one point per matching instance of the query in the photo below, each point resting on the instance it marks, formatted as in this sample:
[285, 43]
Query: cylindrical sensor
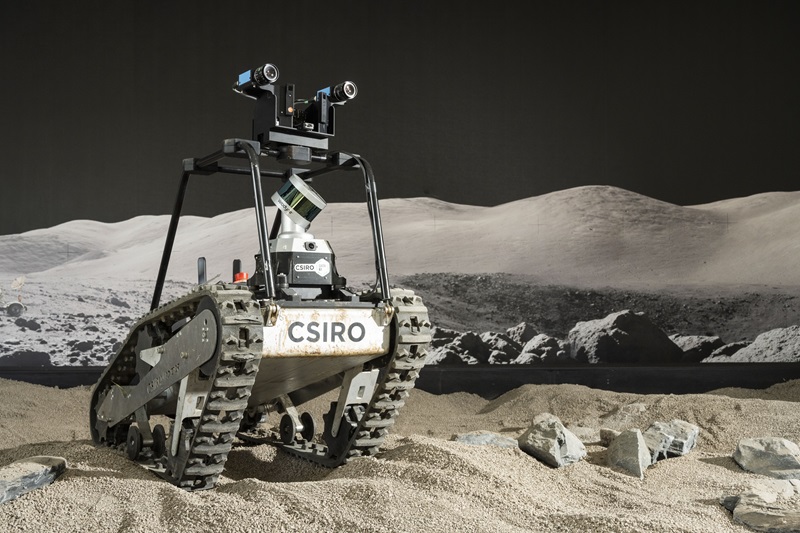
[265, 74]
[346, 90]
[299, 201]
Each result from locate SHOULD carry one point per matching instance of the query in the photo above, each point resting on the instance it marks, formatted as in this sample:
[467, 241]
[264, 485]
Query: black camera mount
[280, 118]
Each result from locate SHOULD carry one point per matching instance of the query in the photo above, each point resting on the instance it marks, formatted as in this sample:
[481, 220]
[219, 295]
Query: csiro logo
[322, 267]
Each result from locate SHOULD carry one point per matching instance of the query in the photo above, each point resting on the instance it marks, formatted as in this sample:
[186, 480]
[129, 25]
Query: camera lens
[266, 74]
[346, 90]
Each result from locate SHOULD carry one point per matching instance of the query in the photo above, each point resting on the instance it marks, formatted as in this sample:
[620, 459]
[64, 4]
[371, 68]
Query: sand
[421, 480]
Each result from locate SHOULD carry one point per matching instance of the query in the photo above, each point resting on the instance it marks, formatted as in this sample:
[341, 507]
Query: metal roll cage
[253, 152]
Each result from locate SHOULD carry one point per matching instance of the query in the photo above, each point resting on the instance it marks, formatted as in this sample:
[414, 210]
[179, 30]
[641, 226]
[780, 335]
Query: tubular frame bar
[261, 218]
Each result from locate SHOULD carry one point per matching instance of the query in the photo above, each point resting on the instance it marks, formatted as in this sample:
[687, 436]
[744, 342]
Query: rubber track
[241, 341]
[399, 377]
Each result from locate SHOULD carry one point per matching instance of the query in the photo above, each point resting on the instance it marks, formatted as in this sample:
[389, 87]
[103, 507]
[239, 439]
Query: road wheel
[134, 443]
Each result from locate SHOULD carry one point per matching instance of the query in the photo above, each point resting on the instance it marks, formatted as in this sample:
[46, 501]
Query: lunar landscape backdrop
[725, 271]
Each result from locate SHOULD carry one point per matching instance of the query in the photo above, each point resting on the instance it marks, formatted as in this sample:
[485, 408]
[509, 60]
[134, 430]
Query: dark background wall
[476, 103]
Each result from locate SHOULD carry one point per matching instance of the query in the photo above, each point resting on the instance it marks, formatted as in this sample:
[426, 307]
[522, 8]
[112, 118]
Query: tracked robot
[232, 363]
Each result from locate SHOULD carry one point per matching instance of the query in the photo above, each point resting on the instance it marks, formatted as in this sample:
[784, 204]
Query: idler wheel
[159, 441]
[309, 429]
[134, 443]
[288, 429]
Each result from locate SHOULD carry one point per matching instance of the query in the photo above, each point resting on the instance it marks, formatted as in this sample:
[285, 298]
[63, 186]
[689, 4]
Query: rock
[628, 453]
[542, 349]
[28, 324]
[465, 348]
[439, 336]
[503, 349]
[696, 347]
[84, 346]
[780, 345]
[25, 475]
[623, 337]
[550, 442]
[113, 300]
[683, 436]
[26, 358]
[607, 435]
[724, 353]
[486, 438]
[771, 506]
[769, 456]
[658, 443]
[521, 333]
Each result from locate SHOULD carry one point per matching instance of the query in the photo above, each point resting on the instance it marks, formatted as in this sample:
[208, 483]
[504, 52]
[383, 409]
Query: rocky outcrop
[466, 348]
[723, 354]
[551, 443]
[769, 456]
[521, 333]
[780, 345]
[696, 347]
[502, 349]
[542, 349]
[623, 337]
[441, 336]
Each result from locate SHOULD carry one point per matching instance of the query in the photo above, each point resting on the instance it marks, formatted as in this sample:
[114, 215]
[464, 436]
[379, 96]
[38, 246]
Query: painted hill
[589, 236]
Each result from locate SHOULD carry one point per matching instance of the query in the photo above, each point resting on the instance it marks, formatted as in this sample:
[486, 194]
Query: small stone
[658, 442]
[28, 474]
[485, 438]
[684, 436]
[607, 435]
[628, 453]
[550, 442]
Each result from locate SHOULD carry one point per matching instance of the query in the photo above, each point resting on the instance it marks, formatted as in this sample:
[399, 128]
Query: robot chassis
[219, 360]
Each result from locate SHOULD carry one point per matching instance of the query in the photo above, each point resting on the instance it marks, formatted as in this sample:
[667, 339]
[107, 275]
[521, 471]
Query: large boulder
[442, 336]
[550, 442]
[521, 333]
[465, 348]
[780, 345]
[769, 456]
[502, 349]
[696, 347]
[542, 349]
[623, 337]
[723, 354]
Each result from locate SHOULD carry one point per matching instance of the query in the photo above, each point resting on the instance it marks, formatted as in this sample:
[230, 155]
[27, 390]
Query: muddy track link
[413, 334]
[204, 447]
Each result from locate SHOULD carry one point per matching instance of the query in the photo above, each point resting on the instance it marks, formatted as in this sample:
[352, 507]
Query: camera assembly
[280, 117]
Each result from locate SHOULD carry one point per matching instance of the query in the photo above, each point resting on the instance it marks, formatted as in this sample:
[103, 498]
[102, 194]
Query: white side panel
[326, 332]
